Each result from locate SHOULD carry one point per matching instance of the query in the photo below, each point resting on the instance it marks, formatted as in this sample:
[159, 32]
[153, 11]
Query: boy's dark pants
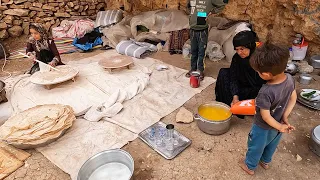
[199, 40]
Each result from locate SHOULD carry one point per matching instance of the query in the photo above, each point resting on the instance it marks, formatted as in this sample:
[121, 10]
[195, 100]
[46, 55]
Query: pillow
[109, 17]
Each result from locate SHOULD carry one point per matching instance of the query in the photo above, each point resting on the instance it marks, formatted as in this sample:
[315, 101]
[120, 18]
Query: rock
[25, 27]
[65, 15]
[13, 6]
[54, 4]
[32, 14]
[16, 12]
[2, 8]
[299, 158]
[5, 2]
[38, 5]
[48, 19]
[184, 116]
[70, 4]
[27, 5]
[100, 5]
[17, 22]
[8, 19]
[62, 4]
[20, 1]
[35, 9]
[56, 24]
[41, 14]
[304, 67]
[47, 7]
[15, 31]
[92, 7]
[77, 7]
[4, 34]
[81, 9]
[3, 25]
[47, 26]
[91, 12]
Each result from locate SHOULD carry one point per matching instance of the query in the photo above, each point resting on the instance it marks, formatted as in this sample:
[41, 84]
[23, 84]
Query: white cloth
[166, 91]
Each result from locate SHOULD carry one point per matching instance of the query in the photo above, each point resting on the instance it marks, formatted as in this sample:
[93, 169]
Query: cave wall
[275, 20]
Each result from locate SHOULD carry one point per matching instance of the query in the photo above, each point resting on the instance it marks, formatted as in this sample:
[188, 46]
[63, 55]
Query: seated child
[42, 48]
[274, 102]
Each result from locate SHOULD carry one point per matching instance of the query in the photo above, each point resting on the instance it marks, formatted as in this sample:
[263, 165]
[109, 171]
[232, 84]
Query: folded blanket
[135, 49]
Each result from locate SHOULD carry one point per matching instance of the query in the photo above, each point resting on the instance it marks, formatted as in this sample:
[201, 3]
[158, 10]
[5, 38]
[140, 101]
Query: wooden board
[116, 62]
[52, 77]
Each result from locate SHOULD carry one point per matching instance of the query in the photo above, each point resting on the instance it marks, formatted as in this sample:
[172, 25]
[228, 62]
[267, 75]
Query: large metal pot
[314, 143]
[210, 126]
[3, 97]
[103, 158]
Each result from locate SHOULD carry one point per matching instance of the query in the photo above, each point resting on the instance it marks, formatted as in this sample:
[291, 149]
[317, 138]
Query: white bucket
[299, 51]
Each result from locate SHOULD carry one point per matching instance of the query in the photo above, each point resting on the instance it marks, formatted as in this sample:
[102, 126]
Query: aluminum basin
[103, 158]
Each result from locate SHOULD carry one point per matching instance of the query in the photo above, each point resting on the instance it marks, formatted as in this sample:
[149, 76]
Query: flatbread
[19, 154]
[65, 73]
[8, 163]
[37, 126]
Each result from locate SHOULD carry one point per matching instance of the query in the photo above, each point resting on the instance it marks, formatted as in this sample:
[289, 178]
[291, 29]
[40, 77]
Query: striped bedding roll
[135, 49]
[109, 17]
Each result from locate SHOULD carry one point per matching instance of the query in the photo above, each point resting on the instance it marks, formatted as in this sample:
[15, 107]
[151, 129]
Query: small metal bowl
[315, 61]
[305, 79]
[103, 158]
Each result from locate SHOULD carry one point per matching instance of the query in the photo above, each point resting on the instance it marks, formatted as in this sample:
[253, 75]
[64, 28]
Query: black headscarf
[246, 39]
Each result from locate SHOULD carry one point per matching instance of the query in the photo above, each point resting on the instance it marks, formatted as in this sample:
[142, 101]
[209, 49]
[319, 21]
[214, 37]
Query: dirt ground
[208, 157]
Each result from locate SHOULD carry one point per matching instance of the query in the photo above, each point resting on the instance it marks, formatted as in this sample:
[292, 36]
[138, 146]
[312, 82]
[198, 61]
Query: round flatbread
[37, 126]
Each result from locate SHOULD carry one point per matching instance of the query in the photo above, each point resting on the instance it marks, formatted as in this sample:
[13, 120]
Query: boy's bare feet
[243, 166]
[264, 165]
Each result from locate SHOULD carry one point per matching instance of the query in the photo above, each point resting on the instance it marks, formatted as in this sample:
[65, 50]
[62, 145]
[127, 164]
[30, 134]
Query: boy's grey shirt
[273, 97]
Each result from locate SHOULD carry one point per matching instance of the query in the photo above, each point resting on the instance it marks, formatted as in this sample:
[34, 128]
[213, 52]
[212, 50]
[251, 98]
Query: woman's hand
[53, 64]
[31, 56]
[235, 100]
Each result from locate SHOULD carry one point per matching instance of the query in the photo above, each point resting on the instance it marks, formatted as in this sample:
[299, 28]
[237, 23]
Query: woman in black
[240, 81]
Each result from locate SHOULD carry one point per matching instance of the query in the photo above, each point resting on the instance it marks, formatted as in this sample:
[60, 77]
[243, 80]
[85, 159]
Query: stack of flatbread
[37, 126]
[10, 159]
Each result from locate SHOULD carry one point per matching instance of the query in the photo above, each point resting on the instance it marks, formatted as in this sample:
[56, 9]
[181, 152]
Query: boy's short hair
[270, 58]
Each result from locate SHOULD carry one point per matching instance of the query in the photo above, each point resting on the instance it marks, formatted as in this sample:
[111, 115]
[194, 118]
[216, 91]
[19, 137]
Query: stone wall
[16, 15]
[276, 20]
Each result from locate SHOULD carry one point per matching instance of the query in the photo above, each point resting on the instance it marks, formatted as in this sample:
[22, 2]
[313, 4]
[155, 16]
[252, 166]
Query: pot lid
[316, 132]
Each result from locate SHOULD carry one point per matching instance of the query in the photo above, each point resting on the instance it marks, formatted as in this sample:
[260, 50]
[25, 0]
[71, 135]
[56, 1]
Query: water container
[299, 51]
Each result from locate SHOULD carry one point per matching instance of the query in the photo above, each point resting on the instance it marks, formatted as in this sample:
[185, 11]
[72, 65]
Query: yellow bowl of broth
[214, 112]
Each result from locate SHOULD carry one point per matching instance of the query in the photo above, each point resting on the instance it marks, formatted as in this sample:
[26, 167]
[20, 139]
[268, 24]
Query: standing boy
[200, 10]
[274, 103]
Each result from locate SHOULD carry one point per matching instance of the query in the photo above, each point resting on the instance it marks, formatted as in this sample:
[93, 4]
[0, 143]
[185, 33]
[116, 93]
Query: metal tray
[309, 104]
[182, 142]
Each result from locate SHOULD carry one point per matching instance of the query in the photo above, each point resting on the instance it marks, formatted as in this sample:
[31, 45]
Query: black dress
[240, 79]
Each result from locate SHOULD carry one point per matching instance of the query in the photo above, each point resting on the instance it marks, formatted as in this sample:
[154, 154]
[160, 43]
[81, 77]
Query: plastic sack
[214, 51]
[186, 50]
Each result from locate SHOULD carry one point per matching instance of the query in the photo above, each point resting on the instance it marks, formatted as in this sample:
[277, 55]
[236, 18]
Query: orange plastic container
[246, 107]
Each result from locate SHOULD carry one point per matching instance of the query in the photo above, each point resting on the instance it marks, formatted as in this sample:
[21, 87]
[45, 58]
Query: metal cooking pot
[315, 61]
[103, 158]
[3, 97]
[213, 127]
[314, 143]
